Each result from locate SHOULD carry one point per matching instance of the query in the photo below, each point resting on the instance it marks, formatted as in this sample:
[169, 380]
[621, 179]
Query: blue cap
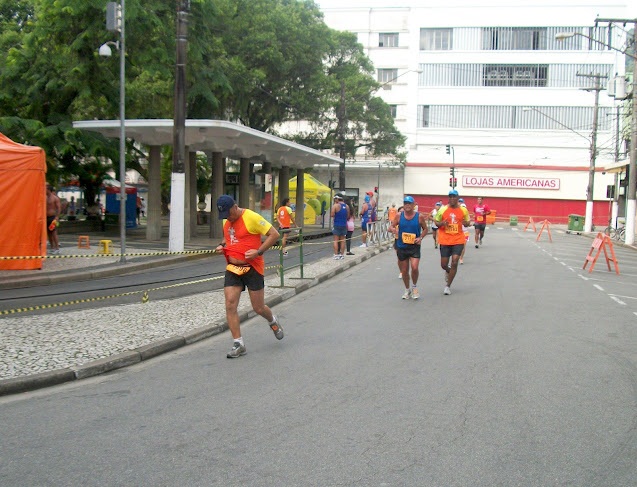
[224, 203]
[408, 199]
[453, 192]
[461, 200]
[438, 203]
[366, 199]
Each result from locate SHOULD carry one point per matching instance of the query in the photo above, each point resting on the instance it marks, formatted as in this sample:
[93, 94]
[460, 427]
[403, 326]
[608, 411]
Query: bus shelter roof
[230, 139]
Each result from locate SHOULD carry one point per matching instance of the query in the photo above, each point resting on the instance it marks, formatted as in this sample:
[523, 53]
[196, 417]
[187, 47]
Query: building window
[514, 38]
[387, 75]
[423, 116]
[533, 75]
[514, 75]
[393, 109]
[436, 39]
[388, 39]
[566, 119]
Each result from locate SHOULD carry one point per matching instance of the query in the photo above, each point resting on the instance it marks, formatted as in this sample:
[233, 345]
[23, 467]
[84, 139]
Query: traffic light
[375, 189]
[451, 171]
[448, 149]
[453, 182]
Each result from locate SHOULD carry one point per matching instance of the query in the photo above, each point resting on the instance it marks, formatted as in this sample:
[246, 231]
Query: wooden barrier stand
[532, 223]
[545, 224]
[600, 242]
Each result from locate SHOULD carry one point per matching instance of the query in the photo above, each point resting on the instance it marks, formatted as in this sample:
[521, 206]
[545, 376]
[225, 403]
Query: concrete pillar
[267, 175]
[153, 205]
[284, 184]
[300, 196]
[193, 194]
[218, 185]
[244, 183]
[187, 196]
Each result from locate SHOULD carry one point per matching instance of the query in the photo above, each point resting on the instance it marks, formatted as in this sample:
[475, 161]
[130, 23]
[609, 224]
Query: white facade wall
[487, 152]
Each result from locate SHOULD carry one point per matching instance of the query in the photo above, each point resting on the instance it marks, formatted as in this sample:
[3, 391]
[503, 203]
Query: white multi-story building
[487, 90]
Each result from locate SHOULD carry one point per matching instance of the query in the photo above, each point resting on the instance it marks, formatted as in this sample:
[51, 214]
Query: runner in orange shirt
[286, 220]
[243, 249]
[449, 220]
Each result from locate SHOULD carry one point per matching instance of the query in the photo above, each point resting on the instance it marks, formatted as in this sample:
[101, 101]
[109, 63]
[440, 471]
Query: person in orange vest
[450, 219]
[286, 220]
[391, 214]
[243, 249]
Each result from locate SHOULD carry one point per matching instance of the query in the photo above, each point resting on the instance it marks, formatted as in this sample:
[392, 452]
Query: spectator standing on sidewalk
[243, 249]
[285, 218]
[367, 214]
[340, 215]
[412, 229]
[449, 220]
[350, 227]
[480, 212]
[53, 209]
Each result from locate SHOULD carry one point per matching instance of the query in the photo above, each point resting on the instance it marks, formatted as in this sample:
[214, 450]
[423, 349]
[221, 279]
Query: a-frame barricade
[601, 242]
[530, 223]
[545, 224]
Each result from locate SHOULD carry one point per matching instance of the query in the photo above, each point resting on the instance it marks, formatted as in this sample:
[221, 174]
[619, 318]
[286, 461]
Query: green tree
[349, 113]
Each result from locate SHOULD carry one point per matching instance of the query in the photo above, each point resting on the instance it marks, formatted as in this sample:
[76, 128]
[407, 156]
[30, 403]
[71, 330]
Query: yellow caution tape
[140, 254]
[145, 296]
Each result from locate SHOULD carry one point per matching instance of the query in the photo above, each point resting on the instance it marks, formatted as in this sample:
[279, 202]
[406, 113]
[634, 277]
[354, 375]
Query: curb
[154, 349]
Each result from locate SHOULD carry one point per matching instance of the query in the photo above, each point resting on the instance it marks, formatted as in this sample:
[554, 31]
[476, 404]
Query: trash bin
[513, 221]
[576, 223]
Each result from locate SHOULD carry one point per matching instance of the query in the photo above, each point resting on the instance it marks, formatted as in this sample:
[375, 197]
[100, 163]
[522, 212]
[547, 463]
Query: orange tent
[22, 203]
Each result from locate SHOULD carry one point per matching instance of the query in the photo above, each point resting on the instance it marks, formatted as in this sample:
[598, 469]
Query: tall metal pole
[342, 122]
[178, 180]
[122, 139]
[631, 192]
[631, 205]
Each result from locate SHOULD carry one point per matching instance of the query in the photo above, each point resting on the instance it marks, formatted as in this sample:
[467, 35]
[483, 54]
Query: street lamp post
[105, 50]
[631, 203]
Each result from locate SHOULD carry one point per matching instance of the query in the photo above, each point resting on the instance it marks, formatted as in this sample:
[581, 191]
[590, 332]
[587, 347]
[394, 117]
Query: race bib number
[409, 238]
[479, 218]
[239, 270]
[451, 228]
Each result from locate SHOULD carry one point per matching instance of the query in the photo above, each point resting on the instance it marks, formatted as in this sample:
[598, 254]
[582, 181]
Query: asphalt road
[525, 376]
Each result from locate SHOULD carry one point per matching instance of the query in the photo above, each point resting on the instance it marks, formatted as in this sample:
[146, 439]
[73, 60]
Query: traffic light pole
[452, 171]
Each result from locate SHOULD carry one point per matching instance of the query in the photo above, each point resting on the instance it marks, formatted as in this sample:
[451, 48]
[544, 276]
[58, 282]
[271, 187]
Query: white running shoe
[447, 290]
[414, 293]
[407, 294]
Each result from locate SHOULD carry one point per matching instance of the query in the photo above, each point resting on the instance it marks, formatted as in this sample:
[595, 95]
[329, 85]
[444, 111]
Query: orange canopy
[22, 204]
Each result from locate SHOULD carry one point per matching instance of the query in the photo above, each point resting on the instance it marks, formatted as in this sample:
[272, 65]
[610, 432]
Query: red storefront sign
[510, 182]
